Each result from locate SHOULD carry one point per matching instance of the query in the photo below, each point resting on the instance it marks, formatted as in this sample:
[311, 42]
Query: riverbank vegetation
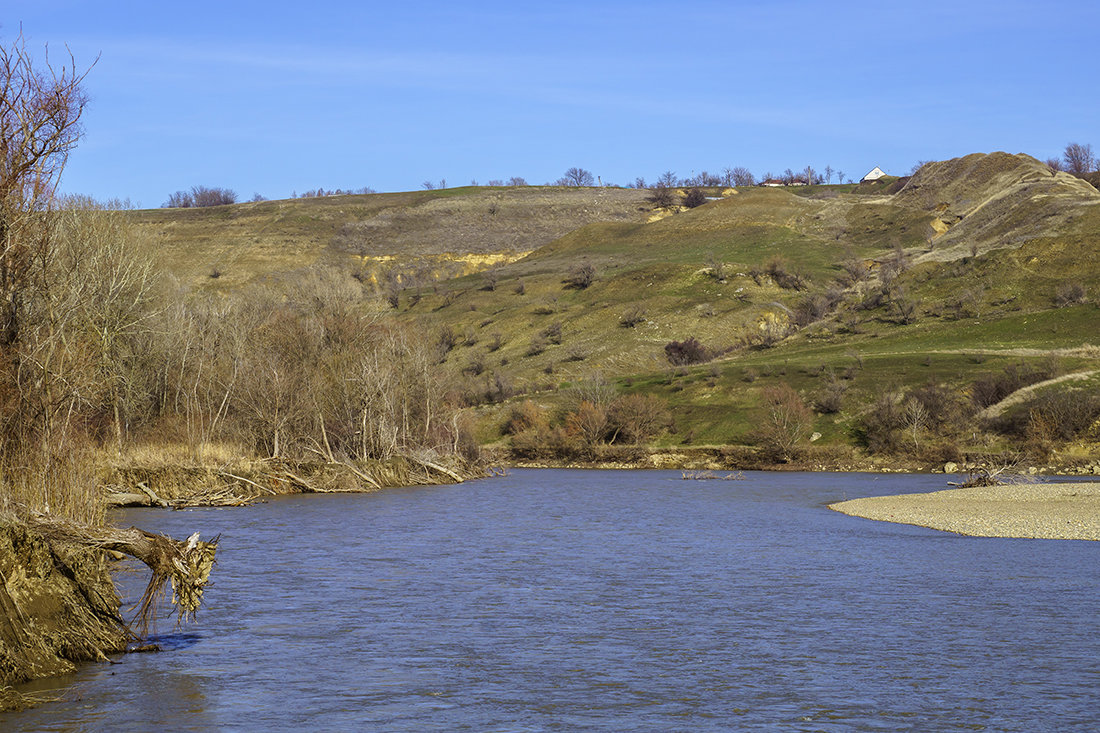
[114, 375]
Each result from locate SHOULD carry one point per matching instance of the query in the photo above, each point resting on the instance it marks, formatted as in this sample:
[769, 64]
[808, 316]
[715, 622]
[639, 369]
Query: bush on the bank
[879, 429]
[637, 418]
[786, 425]
[524, 417]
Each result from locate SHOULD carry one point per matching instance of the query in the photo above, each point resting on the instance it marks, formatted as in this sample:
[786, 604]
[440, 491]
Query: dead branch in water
[710, 476]
[426, 463]
[186, 565]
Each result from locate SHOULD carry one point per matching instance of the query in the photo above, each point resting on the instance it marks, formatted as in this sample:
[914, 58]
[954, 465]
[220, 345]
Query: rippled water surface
[617, 601]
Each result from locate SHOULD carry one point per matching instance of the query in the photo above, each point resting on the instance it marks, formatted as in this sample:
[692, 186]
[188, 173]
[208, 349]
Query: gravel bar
[1068, 511]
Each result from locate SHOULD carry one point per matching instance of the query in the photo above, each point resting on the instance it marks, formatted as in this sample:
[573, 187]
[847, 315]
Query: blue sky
[273, 98]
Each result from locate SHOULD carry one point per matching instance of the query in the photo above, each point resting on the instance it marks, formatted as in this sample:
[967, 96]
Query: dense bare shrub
[500, 387]
[49, 352]
[786, 424]
[814, 307]
[1079, 159]
[948, 410]
[589, 422]
[694, 198]
[1052, 416]
[492, 277]
[831, 398]
[637, 418]
[992, 388]
[855, 270]
[903, 307]
[475, 366]
[661, 196]
[632, 316]
[879, 429]
[689, 351]
[772, 329]
[968, 303]
[1070, 293]
[780, 272]
[527, 415]
[895, 265]
[201, 196]
[537, 345]
[581, 276]
[446, 340]
[552, 333]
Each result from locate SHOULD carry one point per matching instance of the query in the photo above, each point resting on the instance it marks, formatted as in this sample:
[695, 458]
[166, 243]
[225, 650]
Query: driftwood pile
[219, 487]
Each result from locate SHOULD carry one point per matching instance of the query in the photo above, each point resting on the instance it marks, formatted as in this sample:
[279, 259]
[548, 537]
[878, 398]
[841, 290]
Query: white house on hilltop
[873, 175]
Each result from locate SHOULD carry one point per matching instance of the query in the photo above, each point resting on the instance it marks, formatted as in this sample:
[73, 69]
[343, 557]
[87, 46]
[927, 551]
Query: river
[555, 600]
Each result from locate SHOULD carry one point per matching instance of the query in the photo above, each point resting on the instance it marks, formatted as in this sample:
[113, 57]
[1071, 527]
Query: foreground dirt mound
[996, 200]
[58, 607]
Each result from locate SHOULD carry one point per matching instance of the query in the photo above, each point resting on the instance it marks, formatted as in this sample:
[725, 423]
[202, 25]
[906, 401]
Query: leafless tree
[668, 179]
[1079, 159]
[637, 418]
[1055, 164]
[916, 418]
[578, 177]
[743, 177]
[206, 196]
[787, 422]
[40, 111]
[828, 174]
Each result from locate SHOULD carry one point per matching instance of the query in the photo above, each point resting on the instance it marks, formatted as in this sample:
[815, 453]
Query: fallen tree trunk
[184, 564]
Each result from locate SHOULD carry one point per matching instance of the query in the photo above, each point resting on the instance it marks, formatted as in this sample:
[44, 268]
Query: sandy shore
[1047, 511]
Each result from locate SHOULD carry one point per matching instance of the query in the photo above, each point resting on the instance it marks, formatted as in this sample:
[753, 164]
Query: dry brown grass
[227, 246]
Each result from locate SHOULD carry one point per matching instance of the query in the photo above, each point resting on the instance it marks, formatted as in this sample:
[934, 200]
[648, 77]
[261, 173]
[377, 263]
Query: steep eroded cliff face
[58, 607]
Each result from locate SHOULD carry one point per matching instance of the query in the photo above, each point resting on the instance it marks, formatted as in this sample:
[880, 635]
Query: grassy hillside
[450, 231]
[979, 268]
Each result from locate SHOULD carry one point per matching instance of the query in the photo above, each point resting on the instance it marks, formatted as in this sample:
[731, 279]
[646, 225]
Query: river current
[557, 600]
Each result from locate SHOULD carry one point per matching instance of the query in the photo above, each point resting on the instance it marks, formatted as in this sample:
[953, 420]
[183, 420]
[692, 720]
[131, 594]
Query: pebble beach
[1064, 511]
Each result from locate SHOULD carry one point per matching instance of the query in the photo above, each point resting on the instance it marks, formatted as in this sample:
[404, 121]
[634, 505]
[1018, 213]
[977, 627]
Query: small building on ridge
[873, 175]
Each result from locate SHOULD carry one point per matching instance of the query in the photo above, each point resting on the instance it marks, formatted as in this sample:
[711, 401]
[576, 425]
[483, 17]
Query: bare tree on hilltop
[577, 177]
[200, 196]
[1079, 159]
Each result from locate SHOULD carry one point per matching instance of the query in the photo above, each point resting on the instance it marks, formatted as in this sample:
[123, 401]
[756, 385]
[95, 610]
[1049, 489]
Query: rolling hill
[971, 269]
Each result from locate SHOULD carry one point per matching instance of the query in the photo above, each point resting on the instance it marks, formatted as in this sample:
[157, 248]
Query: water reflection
[581, 600]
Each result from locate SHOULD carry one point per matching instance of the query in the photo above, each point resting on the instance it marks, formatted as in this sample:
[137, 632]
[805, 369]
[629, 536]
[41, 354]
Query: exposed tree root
[185, 564]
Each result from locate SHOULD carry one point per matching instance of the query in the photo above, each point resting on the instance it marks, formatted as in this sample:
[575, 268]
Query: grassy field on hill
[451, 231]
